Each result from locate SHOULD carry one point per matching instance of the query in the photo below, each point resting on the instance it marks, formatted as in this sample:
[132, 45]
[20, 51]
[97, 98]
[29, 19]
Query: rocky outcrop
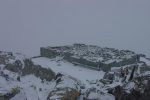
[24, 66]
[37, 70]
[15, 67]
[120, 93]
[10, 94]
[67, 88]
[136, 87]
[64, 94]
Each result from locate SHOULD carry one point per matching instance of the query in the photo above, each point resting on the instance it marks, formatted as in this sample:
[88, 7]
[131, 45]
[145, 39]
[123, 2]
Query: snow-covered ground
[84, 75]
[88, 82]
[30, 88]
[78, 72]
[145, 60]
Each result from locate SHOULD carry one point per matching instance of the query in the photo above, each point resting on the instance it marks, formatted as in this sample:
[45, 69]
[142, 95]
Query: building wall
[48, 53]
[96, 65]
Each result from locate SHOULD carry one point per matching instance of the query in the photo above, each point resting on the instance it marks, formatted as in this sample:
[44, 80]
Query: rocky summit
[75, 72]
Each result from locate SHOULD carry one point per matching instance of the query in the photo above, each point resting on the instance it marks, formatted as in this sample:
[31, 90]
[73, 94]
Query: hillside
[55, 76]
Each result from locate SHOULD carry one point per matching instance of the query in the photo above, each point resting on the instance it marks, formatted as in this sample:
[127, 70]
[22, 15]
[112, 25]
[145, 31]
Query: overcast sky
[26, 25]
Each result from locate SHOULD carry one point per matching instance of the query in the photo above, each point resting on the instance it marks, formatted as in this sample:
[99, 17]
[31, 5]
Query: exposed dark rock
[64, 94]
[18, 78]
[58, 81]
[37, 70]
[59, 75]
[132, 73]
[10, 94]
[135, 93]
[15, 67]
[109, 76]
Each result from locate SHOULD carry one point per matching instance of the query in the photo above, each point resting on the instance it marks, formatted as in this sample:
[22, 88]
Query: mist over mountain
[27, 25]
[74, 50]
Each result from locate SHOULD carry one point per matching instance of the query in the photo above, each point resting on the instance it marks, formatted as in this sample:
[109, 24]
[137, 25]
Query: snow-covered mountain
[55, 76]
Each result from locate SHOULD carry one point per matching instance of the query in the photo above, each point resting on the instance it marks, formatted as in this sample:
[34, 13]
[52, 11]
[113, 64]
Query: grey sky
[25, 25]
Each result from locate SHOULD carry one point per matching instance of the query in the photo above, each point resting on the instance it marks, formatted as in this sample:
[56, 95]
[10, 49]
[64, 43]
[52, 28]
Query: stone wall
[100, 65]
[81, 61]
[48, 52]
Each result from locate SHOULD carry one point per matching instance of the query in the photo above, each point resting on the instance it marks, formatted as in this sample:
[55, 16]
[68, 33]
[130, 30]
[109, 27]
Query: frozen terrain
[79, 72]
[145, 60]
[41, 78]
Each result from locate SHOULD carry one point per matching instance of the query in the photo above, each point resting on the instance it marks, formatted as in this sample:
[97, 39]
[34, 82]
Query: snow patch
[145, 60]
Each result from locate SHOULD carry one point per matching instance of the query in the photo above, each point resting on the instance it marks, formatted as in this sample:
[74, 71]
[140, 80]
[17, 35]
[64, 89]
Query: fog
[26, 25]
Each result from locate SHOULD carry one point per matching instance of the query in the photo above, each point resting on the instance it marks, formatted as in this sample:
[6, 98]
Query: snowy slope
[29, 87]
[91, 84]
[88, 77]
[81, 73]
[145, 60]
